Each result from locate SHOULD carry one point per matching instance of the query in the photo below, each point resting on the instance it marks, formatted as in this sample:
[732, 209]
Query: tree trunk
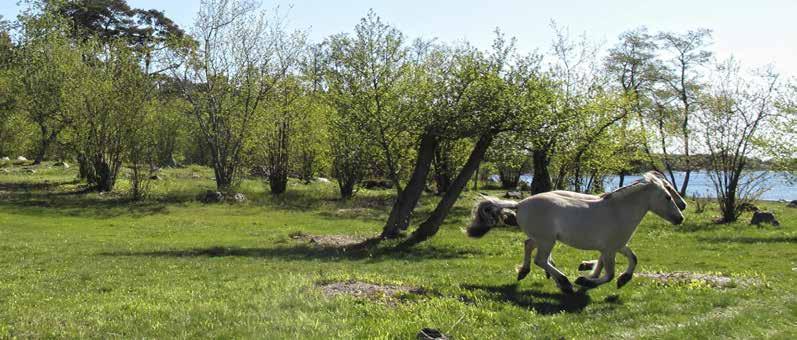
[44, 145]
[541, 182]
[346, 188]
[405, 202]
[509, 178]
[105, 174]
[432, 224]
[278, 181]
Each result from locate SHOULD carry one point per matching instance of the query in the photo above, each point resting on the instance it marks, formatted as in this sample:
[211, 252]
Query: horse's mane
[647, 178]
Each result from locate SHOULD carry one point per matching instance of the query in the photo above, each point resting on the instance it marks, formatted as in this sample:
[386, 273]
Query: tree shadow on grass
[543, 303]
[306, 252]
[749, 239]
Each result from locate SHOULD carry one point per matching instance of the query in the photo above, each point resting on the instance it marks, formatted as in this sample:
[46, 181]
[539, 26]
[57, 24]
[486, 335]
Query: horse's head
[679, 201]
[663, 203]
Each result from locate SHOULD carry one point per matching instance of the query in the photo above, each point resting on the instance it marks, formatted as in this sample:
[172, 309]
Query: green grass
[91, 265]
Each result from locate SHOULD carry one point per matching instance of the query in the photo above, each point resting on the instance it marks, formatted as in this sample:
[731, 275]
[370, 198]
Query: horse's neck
[634, 206]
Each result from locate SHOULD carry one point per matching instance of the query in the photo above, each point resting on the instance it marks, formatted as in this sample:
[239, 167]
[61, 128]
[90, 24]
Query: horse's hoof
[522, 273]
[584, 282]
[586, 265]
[564, 285]
[547, 275]
[623, 279]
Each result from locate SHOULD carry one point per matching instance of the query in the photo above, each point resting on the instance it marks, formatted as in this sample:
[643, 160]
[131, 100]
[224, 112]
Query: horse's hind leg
[608, 261]
[542, 260]
[525, 268]
[629, 271]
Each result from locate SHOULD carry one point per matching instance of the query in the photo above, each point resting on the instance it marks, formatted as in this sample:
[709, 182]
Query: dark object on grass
[792, 204]
[211, 196]
[377, 184]
[431, 334]
[747, 206]
[514, 195]
[764, 217]
[155, 178]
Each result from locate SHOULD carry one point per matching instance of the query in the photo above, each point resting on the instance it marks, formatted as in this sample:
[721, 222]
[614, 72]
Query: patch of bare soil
[367, 290]
[715, 281]
[329, 241]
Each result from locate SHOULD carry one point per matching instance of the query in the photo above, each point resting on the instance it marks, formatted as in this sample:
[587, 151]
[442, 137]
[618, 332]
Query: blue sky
[756, 32]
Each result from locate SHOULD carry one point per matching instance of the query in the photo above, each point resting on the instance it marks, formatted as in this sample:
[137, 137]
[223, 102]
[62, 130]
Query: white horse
[604, 223]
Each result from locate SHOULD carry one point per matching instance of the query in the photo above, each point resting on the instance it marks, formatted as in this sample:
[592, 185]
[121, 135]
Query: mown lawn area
[76, 264]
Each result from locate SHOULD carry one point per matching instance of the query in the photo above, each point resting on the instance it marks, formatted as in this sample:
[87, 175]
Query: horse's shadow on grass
[543, 303]
[303, 252]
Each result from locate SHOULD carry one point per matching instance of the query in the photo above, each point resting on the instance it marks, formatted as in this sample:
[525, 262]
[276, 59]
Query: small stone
[514, 195]
[195, 175]
[5, 159]
[431, 334]
[22, 159]
[238, 197]
[322, 180]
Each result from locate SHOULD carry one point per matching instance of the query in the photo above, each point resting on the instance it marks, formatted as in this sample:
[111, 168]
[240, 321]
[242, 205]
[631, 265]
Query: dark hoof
[564, 285]
[623, 279]
[584, 282]
[547, 275]
[586, 265]
[522, 273]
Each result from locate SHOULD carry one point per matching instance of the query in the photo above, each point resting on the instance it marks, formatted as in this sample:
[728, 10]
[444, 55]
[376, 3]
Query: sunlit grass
[98, 265]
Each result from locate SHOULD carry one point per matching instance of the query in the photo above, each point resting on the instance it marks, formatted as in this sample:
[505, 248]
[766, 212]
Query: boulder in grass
[238, 198]
[5, 159]
[792, 204]
[760, 217]
[211, 196]
[22, 159]
[514, 195]
[322, 180]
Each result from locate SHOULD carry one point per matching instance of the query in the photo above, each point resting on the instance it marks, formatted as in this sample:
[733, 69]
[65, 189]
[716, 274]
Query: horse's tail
[487, 213]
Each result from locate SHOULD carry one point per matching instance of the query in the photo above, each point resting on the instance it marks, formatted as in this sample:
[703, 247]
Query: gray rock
[764, 217]
[792, 204]
[514, 194]
[431, 334]
[5, 159]
[238, 198]
[195, 175]
[211, 196]
[322, 180]
[22, 159]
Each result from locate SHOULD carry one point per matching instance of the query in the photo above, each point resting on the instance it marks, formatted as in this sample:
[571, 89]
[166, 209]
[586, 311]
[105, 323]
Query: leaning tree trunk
[432, 224]
[405, 202]
[541, 182]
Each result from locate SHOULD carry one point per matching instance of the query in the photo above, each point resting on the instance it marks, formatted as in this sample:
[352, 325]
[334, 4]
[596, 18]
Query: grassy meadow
[88, 265]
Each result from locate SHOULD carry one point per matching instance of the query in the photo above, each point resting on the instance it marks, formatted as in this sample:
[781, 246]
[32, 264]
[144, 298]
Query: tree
[739, 118]
[674, 103]
[367, 78]
[227, 78]
[45, 58]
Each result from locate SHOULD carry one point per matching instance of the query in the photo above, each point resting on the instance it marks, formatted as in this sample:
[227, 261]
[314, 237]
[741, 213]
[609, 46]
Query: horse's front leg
[542, 259]
[607, 258]
[629, 271]
[525, 268]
